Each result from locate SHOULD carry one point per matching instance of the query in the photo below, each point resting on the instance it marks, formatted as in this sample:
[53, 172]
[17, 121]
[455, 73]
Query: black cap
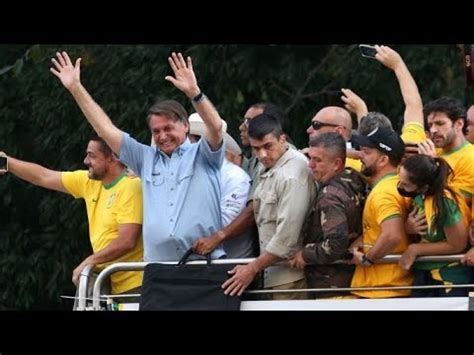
[383, 139]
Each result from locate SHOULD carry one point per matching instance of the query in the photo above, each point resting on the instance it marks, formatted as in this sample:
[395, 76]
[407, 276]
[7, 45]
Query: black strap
[190, 252]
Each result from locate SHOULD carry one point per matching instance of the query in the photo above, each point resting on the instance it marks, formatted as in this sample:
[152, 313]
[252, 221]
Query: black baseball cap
[383, 139]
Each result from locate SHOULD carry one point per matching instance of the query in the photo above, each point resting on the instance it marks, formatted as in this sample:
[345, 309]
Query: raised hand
[354, 103]
[185, 79]
[70, 75]
[388, 57]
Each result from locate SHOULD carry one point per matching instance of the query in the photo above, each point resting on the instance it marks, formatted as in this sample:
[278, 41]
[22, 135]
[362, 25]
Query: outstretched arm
[36, 174]
[69, 75]
[411, 96]
[185, 80]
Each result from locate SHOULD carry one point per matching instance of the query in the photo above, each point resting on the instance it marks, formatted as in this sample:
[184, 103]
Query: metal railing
[82, 287]
[139, 266]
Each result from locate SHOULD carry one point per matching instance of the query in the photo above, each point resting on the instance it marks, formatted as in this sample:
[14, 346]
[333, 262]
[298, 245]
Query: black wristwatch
[198, 98]
[366, 261]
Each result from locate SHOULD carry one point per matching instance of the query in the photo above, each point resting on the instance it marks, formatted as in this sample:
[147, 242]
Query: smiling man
[114, 209]
[180, 180]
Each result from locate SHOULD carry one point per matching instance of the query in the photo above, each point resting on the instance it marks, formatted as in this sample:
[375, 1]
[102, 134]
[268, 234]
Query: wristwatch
[366, 261]
[198, 98]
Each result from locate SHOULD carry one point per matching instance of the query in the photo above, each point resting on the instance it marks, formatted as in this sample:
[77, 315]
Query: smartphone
[367, 51]
[333, 98]
[3, 163]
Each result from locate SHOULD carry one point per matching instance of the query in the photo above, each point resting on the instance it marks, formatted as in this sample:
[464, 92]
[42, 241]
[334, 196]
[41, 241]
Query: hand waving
[185, 79]
[69, 74]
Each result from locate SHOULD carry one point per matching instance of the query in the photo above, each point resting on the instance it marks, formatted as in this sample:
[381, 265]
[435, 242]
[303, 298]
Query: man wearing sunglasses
[334, 119]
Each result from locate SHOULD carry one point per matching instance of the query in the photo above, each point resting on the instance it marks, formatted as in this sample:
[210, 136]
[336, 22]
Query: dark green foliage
[43, 234]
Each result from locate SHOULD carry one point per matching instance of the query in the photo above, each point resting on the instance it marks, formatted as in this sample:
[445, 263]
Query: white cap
[198, 128]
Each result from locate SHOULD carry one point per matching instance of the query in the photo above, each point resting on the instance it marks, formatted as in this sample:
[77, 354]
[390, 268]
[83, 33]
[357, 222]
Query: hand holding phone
[333, 98]
[367, 51]
[411, 148]
[3, 163]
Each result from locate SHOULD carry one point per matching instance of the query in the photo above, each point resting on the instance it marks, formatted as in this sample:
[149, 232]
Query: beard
[94, 175]
[442, 141]
[368, 171]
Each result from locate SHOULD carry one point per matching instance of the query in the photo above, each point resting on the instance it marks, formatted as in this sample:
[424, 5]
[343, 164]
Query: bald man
[339, 120]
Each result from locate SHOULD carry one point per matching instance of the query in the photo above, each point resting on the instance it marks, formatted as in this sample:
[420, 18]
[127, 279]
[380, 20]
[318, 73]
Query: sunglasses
[318, 125]
[246, 121]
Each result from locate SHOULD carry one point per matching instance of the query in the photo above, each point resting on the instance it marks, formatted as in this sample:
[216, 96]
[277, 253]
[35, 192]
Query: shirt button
[171, 219]
[172, 189]
[172, 174]
[171, 203]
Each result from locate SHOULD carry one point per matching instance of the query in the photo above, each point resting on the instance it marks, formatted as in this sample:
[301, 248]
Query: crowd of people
[322, 216]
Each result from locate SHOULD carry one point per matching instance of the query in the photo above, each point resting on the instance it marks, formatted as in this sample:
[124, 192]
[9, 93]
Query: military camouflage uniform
[335, 222]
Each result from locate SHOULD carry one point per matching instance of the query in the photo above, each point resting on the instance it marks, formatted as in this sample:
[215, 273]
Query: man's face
[97, 162]
[168, 134]
[320, 125]
[370, 158]
[442, 129]
[269, 149]
[323, 166]
[470, 124]
[331, 119]
[243, 128]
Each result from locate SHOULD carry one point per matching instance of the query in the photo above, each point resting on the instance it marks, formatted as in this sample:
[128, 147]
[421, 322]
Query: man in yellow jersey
[114, 209]
[383, 217]
[469, 258]
[447, 123]
[447, 120]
